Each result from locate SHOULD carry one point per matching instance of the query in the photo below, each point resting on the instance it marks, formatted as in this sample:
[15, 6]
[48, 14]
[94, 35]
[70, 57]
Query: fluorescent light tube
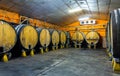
[85, 18]
[75, 10]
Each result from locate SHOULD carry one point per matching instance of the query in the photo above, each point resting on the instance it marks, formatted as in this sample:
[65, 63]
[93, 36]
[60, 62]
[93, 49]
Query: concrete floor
[62, 62]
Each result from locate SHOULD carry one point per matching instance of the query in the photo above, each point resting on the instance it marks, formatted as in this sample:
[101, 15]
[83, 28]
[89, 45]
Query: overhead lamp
[85, 18]
[75, 10]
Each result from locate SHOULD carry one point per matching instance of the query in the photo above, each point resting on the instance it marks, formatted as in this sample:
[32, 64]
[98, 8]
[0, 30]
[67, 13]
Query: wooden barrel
[27, 36]
[54, 37]
[63, 37]
[44, 38]
[77, 37]
[8, 37]
[92, 37]
[115, 33]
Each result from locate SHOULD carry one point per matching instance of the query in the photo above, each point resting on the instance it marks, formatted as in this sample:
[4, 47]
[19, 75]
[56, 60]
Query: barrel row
[25, 38]
[92, 38]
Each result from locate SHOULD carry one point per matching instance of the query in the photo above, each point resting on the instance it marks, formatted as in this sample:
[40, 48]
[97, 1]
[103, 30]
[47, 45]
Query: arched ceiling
[56, 11]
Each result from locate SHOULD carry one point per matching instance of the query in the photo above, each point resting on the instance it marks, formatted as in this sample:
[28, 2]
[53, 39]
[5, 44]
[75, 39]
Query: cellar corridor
[61, 62]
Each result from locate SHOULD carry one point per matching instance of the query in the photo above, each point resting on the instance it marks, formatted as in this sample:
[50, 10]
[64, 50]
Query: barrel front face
[55, 37]
[8, 37]
[28, 37]
[77, 37]
[44, 37]
[62, 37]
[92, 37]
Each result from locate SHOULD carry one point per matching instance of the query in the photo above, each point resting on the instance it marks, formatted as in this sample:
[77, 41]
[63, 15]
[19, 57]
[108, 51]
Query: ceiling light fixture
[75, 10]
[85, 18]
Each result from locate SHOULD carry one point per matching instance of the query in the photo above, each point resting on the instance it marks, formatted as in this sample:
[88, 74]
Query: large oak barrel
[115, 33]
[44, 38]
[63, 37]
[27, 36]
[8, 37]
[54, 37]
[77, 37]
[92, 37]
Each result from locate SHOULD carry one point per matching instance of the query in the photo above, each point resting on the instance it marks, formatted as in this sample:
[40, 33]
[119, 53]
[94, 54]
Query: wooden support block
[5, 58]
[41, 51]
[23, 53]
[32, 52]
[46, 49]
[116, 66]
